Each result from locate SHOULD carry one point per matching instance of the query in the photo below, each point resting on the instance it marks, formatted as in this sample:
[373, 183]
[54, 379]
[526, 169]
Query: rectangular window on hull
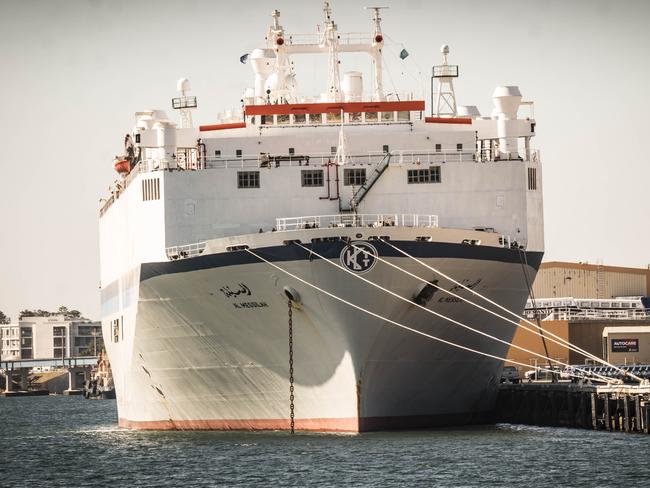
[312, 177]
[428, 175]
[248, 179]
[532, 178]
[354, 176]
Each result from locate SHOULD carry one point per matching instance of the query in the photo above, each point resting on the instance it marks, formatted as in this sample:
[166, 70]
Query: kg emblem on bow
[359, 256]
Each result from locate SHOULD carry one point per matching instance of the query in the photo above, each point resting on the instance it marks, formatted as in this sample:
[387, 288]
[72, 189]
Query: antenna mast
[445, 97]
[331, 40]
[185, 103]
[377, 44]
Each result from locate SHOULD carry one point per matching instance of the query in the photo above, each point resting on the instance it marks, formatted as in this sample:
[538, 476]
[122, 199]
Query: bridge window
[459, 147]
[292, 151]
[299, 118]
[355, 117]
[312, 177]
[334, 118]
[428, 175]
[217, 153]
[248, 179]
[403, 116]
[386, 149]
[116, 329]
[333, 149]
[438, 147]
[238, 153]
[387, 116]
[283, 119]
[354, 176]
[371, 116]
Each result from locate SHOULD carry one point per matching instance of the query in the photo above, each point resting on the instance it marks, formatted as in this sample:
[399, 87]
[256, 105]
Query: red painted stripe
[448, 120]
[345, 424]
[234, 125]
[320, 425]
[322, 108]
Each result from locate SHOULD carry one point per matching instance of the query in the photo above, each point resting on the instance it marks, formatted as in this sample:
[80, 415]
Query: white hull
[193, 358]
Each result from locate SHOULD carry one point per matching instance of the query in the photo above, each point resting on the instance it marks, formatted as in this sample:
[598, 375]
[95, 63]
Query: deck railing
[186, 251]
[356, 220]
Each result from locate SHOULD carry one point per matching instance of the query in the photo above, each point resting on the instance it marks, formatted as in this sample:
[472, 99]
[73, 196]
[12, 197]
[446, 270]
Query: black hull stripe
[330, 250]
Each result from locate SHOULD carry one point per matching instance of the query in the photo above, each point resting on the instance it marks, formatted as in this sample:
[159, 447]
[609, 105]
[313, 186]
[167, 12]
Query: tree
[4, 319]
[33, 313]
[62, 310]
[74, 314]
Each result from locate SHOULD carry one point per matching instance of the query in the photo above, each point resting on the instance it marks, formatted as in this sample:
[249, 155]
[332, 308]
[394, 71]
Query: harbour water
[69, 441]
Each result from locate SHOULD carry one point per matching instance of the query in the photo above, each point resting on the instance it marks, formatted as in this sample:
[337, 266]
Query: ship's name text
[250, 305]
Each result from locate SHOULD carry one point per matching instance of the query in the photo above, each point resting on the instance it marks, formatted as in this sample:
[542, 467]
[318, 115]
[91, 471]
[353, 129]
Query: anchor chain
[291, 395]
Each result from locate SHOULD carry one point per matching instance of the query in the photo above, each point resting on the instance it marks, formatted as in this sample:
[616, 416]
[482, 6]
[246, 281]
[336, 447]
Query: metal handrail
[589, 314]
[185, 251]
[355, 220]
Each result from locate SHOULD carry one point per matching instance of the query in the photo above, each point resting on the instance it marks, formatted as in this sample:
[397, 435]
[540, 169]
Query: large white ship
[215, 235]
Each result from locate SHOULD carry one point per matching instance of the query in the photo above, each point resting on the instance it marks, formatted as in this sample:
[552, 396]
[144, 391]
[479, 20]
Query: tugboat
[100, 385]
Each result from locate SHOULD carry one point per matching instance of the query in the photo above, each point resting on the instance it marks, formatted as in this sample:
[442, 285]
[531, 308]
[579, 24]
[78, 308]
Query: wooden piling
[594, 411]
[626, 413]
[608, 420]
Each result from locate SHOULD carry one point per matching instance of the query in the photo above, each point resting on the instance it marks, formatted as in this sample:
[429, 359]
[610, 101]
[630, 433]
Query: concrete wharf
[74, 366]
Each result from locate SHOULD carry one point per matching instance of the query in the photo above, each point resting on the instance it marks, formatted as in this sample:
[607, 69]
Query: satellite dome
[183, 85]
[444, 49]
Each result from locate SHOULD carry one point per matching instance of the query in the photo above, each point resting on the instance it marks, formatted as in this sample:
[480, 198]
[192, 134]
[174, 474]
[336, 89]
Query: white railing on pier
[356, 220]
[590, 314]
[186, 251]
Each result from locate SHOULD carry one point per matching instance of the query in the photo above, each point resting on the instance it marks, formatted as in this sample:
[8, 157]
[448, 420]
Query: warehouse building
[578, 302]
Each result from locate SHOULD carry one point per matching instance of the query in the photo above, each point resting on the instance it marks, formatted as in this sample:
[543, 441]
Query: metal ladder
[361, 192]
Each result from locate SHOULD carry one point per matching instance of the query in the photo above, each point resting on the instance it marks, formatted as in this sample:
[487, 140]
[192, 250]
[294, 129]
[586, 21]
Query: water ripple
[69, 441]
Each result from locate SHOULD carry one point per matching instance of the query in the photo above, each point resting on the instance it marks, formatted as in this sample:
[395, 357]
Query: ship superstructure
[215, 234]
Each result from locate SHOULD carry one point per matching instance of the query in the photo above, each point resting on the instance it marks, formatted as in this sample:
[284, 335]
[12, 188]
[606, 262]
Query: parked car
[545, 374]
[510, 375]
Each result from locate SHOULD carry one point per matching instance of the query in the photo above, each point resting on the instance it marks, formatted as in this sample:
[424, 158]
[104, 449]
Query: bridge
[74, 365]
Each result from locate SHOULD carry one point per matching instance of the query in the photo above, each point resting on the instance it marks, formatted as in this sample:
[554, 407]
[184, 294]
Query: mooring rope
[531, 294]
[437, 314]
[474, 304]
[564, 342]
[397, 324]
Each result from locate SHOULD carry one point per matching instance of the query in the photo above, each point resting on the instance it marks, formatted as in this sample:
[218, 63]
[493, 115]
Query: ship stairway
[363, 190]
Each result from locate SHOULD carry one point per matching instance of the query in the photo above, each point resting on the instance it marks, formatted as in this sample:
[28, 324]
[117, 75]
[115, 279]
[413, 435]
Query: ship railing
[344, 38]
[185, 251]
[266, 160]
[322, 159]
[355, 220]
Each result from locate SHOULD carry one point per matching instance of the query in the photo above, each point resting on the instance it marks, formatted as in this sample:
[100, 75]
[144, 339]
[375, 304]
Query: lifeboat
[122, 165]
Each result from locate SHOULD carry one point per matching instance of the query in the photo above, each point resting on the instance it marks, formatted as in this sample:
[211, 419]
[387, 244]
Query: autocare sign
[625, 345]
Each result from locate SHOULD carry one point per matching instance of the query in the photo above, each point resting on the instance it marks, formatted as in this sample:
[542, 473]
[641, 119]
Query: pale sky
[74, 72]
